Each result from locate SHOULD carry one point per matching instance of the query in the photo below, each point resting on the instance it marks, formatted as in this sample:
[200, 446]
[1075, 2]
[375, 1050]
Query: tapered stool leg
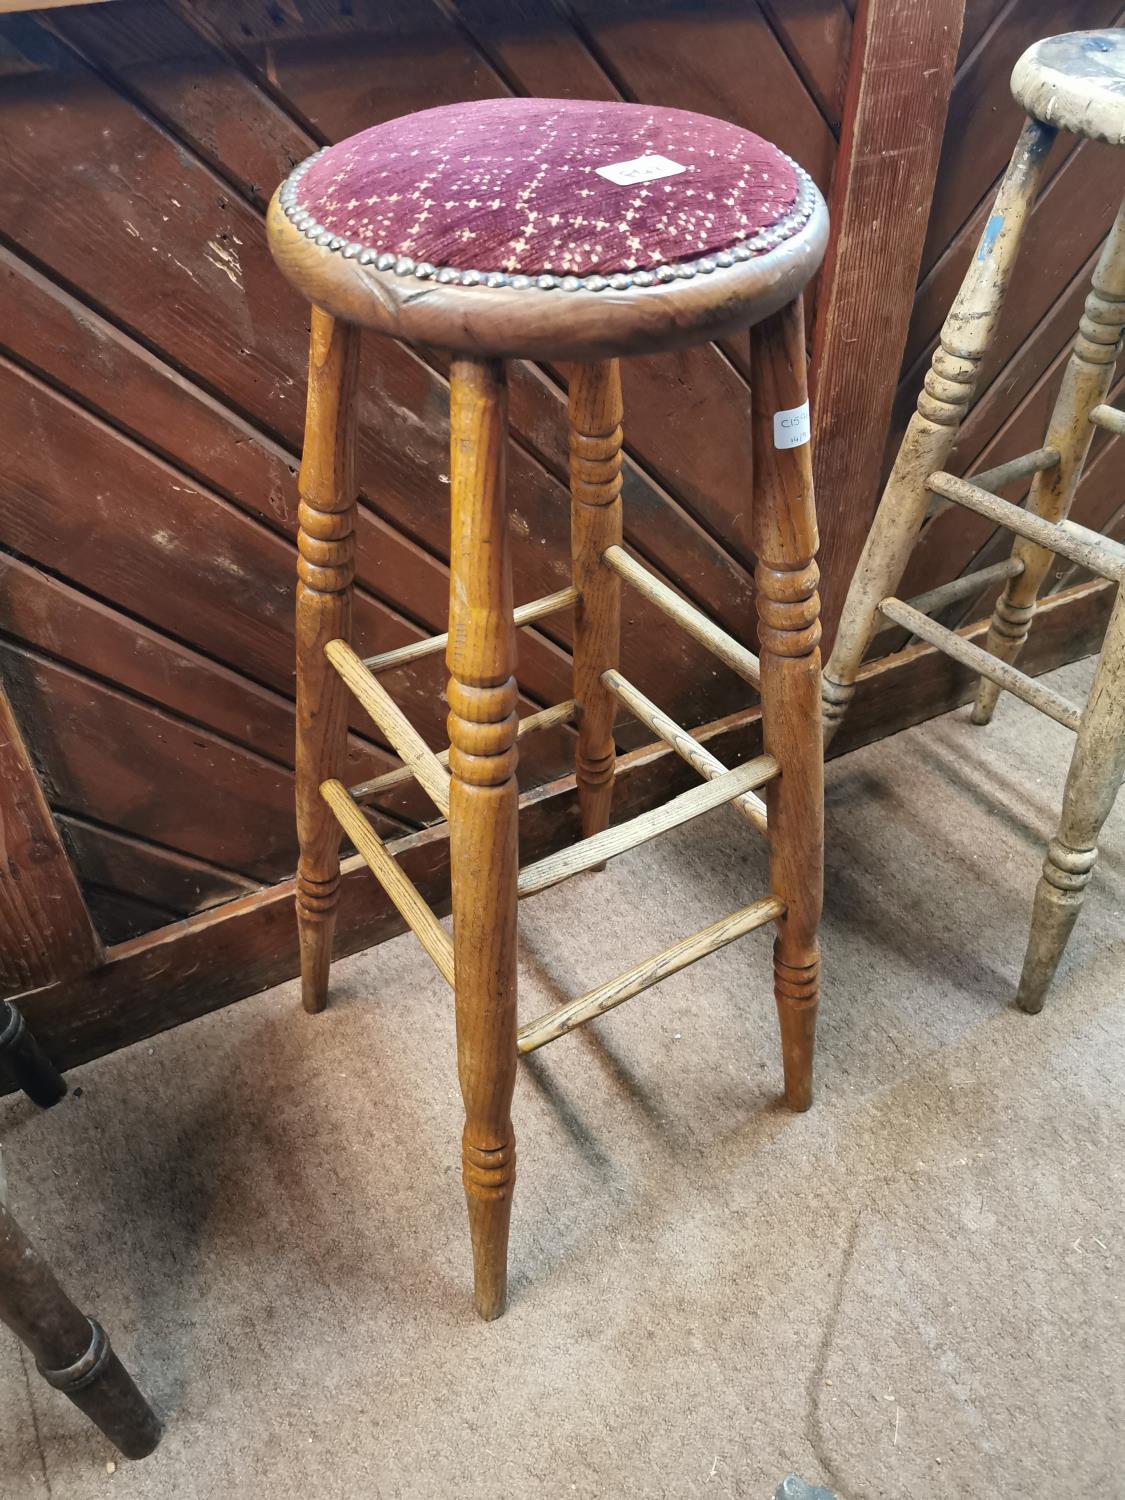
[325, 570]
[595, 493]
[483, 812]
[1086, 383]
[1096, 773]
[71, 1351]
[942, 404]
[785, 543]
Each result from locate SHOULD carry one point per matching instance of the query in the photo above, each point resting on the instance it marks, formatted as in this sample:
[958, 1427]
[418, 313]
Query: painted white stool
[1073, 83]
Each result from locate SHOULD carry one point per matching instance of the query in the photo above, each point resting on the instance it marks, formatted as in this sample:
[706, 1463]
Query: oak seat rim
[528, 322]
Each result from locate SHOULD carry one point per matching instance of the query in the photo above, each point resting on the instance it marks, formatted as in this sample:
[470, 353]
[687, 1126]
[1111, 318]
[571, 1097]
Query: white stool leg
[942, 404]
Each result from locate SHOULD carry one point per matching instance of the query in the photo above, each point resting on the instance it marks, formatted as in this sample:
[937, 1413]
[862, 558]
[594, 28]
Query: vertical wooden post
[899, 77]
[325, 570]
[71, 1351]
[483, 810]
[942, 404]
[1096, 772]
[45, 929]
[595, 524]
[785, 543]
[1085, 383]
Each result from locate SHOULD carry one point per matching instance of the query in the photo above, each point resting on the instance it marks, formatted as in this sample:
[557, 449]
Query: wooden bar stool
[561, 230]
[1073, 83]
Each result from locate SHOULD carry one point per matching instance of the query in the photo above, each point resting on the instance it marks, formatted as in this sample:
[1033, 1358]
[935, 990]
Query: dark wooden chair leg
[483, 812]
[71, 1351]
[23, 1061]
[785, 542]
[325, 570]
[595, 510]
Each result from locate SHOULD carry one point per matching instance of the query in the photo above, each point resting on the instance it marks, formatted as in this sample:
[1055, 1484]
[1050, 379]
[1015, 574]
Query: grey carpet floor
[913, 1290]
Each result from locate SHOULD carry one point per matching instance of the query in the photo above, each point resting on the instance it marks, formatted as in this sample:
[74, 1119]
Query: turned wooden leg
[1096, 772]
[483, 811]
[1086, 383]
[785, 542]
[325, 569]
[942, 404]
[23, 1061]
[71, 1351]
[595, 524]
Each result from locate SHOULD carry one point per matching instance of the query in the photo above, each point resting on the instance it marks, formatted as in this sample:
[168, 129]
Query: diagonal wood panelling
[160, 357]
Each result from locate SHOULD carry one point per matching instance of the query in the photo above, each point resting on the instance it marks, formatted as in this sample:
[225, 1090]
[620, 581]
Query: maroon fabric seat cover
[512, 185]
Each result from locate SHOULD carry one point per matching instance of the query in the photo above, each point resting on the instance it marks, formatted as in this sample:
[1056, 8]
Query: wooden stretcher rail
[1086, 548]
[398, 886]
[690, 804]
[385, 713]
[1109, 418]
[550, 1027]
[1023, 467]
[984, 663]
[697, 625]
[686, 746]
[936, 599]
[945, 594]
[546, 718]
[524, 614]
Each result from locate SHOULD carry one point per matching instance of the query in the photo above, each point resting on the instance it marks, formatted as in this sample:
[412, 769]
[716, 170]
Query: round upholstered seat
[553, 227]
[1076, 82]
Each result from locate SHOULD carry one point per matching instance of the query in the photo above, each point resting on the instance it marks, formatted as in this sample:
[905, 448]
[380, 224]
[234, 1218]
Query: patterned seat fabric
[546, 190]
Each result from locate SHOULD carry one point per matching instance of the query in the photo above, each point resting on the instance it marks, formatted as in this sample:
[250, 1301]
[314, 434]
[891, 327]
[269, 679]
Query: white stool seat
[1076, 82]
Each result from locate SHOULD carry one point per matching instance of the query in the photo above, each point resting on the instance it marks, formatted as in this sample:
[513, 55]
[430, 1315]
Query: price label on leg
[791, 428]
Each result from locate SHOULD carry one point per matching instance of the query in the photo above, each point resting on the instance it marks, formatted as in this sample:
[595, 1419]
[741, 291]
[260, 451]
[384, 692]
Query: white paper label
[791, 428]
[640, 169]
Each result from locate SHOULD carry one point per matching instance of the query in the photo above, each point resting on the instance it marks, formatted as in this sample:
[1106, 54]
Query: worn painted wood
[595, 417]
[1053, 704]
[983, 118]
[1062, 81]
[942, 404]
[325, 574]
[483, 812]
[1093, 781]
[1074, 81]
[785, 539]
[1076, 542]
[1085, 385]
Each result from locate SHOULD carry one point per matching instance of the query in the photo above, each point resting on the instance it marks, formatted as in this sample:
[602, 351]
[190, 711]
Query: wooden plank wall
[152, 383]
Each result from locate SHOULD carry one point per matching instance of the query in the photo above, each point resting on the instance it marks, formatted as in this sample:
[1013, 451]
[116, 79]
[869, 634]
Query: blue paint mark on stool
[991, 235]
